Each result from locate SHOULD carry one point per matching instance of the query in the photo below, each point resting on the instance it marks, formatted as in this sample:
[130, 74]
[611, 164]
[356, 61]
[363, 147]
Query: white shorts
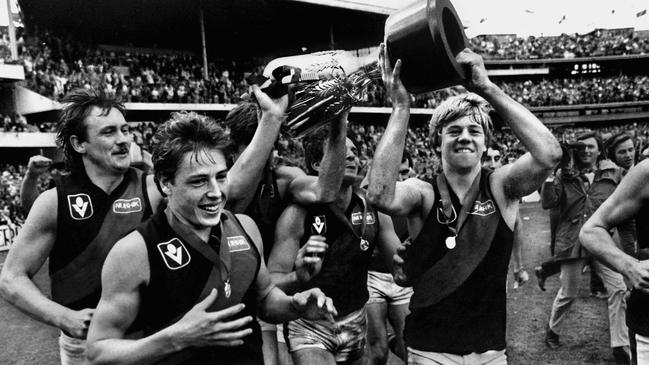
[383, 289]
[345, 338]
[493, 357]
[72, 350]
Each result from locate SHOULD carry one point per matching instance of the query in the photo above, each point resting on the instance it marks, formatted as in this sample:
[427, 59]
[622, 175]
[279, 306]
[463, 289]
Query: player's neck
[103, 179]
[461, 180]
[344, 197]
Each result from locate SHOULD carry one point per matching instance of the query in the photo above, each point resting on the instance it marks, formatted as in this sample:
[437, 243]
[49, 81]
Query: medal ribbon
[447, 206]
[221, 260]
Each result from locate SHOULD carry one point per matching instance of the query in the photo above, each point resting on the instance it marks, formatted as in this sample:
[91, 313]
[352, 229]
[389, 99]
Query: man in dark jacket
[578, 192]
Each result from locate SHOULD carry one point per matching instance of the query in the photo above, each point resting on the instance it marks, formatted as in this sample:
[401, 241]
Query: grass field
[25, 341]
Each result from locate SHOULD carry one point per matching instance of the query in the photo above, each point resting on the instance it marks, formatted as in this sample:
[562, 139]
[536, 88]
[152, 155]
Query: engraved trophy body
[426, 36]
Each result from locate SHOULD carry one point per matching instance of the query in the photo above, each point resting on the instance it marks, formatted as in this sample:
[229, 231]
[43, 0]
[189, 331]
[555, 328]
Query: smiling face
[625, 154]
[197, 192]
[462, 144]
[107, 143]
[589, 153]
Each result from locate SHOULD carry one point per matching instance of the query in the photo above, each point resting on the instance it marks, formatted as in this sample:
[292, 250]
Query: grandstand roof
[233, 27]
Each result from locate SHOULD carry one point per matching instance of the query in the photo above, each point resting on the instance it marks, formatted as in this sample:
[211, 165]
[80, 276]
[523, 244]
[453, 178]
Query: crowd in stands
[54, 65]
[10, 179]
[289, 152]
[551, 92]
[594, 44]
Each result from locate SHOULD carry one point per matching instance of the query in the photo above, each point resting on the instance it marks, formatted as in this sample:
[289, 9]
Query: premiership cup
[426, 36]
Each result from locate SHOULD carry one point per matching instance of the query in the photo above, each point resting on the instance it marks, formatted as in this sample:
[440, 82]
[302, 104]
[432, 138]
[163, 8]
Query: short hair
[614, 141]
[313, 145]
[77, 105]
[467, 105]
[496, 147]
[598, 140]
[185, 132]
[242, 122]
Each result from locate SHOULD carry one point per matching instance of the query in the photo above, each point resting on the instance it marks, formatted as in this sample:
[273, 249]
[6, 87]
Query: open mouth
[463, 150]
[210, 208]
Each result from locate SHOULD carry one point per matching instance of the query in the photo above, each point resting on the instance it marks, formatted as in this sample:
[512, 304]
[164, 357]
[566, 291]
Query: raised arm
[125, 273]
[625, 202]
[384, 192]
[36, 167]
[323, 189]
[246, 173]
[530, 170]
[27, 255]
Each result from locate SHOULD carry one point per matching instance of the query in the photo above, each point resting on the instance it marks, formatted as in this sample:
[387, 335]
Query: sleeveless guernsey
[471, 318]
[266, 208]
[182, 276]
[343, 276]
[89, 223]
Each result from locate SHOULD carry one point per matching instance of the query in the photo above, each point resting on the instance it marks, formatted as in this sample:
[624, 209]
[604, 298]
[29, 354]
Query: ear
[164, 186]
[77, 145]
[315, 166]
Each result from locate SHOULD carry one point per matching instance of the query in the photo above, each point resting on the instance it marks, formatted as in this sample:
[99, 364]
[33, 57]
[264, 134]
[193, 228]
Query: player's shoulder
[288, 172]
[127, 262]
[130, 247]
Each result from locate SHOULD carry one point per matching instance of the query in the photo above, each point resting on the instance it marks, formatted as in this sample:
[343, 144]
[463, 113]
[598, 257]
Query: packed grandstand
[57, 63]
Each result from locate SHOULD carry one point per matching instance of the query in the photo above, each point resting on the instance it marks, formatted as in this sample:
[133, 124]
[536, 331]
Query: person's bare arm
[27, 255]
[36, 166]
[274, 305]
[383, 191]
[387, 239]
[625, 202]
[125, 273]
[525, 175]
[323, 189]
[246, 173]
[291, 266]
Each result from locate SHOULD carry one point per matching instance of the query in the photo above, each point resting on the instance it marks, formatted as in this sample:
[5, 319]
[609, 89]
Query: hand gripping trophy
[426, 36]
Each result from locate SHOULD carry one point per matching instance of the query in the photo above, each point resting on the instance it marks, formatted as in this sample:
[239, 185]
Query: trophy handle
[426, 36]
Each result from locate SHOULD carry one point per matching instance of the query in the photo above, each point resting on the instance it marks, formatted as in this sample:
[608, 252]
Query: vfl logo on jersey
[357, 218]
[238, 243]
[174, 254]
[125, 206]
[80, 206]
[319, 225]
[483, 209]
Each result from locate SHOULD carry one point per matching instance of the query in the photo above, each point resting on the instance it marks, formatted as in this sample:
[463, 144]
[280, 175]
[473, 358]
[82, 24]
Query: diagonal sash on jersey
[221, 261]
[475, 234]
[78, 279]
[213, 280]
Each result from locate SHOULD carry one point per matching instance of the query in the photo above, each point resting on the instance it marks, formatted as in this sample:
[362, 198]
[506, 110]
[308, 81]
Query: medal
[227, 288]
[450, 242]
[364, 244]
